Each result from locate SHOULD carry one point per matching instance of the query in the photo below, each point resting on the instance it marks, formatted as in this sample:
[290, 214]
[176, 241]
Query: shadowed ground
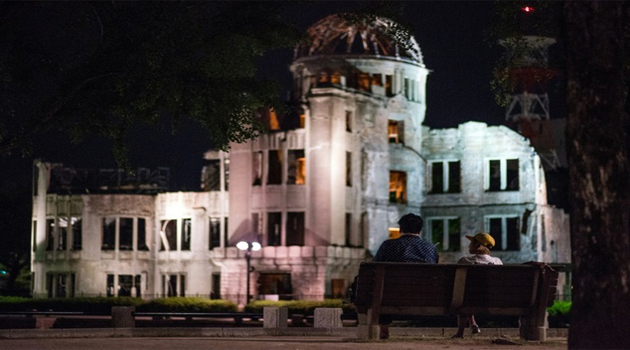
[274, 343]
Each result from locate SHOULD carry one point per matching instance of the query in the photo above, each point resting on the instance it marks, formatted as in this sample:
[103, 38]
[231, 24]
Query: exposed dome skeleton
[337, 35]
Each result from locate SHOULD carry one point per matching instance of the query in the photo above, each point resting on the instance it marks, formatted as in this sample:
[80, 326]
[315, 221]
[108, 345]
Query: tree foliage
[99, 68]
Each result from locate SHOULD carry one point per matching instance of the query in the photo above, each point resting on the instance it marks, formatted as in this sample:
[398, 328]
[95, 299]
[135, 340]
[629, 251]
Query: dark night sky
[451, 36]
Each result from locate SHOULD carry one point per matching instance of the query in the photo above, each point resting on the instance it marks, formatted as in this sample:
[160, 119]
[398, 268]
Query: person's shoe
[458, 336]
[474, 329]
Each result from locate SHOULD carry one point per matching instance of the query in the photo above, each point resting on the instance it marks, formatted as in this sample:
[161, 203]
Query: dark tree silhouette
[599, 176]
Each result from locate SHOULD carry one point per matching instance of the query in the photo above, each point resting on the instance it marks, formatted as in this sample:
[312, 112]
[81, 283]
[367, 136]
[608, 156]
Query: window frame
[503, 240]
[446, 176]
[446, 239]
[503, 169]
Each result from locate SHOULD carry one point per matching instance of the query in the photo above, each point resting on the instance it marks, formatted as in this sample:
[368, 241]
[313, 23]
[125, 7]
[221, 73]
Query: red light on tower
[528, 9]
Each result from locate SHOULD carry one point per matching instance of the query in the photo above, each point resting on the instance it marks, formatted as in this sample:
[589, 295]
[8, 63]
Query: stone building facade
[319, 192]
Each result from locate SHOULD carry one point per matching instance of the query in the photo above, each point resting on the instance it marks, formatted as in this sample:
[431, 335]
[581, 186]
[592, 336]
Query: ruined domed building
[319, 192]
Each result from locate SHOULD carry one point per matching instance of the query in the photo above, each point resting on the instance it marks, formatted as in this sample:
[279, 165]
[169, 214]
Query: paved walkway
[273, 343]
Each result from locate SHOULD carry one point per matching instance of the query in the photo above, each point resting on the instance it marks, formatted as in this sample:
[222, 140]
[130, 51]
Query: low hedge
[304, 307]
[181, 304]
[103, 305]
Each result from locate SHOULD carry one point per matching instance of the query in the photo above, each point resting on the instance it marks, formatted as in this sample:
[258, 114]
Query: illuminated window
[274, 233]
[397, 187]
[505, 231]
[389, 91]
[396, 131]
[338, 288]
[335, 78]
[348, 169]
[502, 175]
[323, 77]
[274, 171]
[377, 79]
[348, 121]
[364, 82]
[445, 176]
[274, 124]
[295, 229]
[302, 121]
[446, 233]
[394, 232]
[296, 172]
[257, 168]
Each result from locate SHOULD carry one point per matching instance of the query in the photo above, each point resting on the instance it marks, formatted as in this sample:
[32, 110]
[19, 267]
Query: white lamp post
[248, 247]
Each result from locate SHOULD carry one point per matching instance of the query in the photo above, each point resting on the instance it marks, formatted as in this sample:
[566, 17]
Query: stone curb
[349, 332]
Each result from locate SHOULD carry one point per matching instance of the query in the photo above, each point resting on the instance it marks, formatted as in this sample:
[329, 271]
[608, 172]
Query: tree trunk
[599, 175]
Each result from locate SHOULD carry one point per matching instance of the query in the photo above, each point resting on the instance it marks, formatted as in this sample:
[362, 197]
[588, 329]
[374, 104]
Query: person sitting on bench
[409, 247]
[480, 245]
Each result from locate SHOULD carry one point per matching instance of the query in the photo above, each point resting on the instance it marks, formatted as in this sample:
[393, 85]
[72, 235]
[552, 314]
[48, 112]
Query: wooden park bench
[448, 289]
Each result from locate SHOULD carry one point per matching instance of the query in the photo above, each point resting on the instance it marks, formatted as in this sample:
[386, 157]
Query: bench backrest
[432, 289]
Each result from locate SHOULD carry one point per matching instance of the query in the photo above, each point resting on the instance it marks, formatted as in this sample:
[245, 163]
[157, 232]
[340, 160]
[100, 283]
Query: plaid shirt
[407, 248]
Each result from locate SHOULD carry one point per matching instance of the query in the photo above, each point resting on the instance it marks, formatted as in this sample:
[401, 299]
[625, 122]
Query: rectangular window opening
[257, 168]
[296, 173]
[142, 235]
[215, 233]
[349, 169]
[77, 233]
[168, 235]
[274, 172]
[295, 229]
[109, 234]
[126, 234]
[50, 234]
[186, 234]
[348, 230]
[274, 234]
[397, 187]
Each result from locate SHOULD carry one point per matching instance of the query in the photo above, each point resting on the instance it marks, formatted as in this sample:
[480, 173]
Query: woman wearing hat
[479, 247]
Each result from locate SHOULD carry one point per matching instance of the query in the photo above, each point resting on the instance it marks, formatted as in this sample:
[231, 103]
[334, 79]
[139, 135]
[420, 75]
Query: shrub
[559, 313]
[559, 308]
[304, 307]
[181, 304]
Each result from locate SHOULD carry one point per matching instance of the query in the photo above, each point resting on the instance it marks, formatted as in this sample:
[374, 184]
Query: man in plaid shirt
[410, 247]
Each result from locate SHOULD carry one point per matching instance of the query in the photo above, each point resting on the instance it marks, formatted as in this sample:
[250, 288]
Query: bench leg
[366, 330]
[532, 329]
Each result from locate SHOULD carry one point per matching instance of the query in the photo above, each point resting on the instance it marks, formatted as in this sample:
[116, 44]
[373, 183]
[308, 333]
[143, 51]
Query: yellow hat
[485, 239]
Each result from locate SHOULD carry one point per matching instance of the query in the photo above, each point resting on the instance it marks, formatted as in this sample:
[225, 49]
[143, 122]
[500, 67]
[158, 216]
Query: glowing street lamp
[248, 247]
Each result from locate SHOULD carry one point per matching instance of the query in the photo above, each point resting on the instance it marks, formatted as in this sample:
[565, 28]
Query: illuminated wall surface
[319, 193]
